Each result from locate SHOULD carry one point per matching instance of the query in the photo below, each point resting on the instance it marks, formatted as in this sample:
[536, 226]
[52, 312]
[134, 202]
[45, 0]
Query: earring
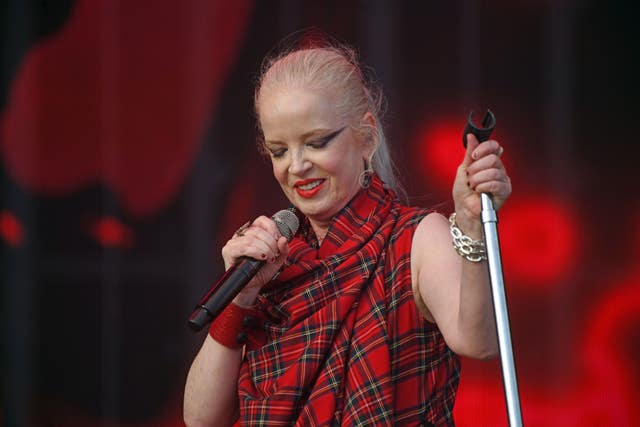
[367, 175]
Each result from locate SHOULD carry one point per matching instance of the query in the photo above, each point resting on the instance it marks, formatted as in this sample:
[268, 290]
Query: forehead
[286, 110]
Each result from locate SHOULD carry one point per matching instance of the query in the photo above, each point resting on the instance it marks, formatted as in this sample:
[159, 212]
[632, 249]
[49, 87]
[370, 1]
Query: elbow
[480, 351]
[491, 350]
[477, 354]
[486, 350]
[487, 354]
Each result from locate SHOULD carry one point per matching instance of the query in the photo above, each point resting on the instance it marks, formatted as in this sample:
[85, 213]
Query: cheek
[336, 163]
[344, 165]
[279, 172]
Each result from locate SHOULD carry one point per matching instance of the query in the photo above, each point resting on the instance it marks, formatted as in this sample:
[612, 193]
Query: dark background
[128, 159]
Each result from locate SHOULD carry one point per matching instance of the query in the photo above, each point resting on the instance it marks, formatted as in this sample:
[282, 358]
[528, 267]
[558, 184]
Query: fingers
[283, 248]
[476, 151]
[268, 225]
[490, 161]
[260, 240]
[490, 181]
[481, 171]
[472, 145]
[486, 173]
[500, 190]
[485, 156]
[485, 149]
[490, 178]
[260, 244]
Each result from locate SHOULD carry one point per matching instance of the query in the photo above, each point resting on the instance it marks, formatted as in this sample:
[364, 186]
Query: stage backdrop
[127, 147]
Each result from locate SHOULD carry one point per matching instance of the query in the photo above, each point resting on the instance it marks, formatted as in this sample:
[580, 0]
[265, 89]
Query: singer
[360, 318]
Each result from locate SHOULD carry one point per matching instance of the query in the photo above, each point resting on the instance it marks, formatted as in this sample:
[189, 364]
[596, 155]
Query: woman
[371, 303]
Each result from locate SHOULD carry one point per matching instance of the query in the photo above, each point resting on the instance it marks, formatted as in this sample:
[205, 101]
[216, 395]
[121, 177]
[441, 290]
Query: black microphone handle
[223, 292]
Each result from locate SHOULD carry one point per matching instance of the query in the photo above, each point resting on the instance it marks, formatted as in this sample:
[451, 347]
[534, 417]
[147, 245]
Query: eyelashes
[321, 142]
[324, 141]
[276, 153]
[315, 144]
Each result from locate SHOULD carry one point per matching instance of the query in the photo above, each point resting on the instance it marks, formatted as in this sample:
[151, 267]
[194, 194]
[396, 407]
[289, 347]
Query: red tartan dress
[343, 342]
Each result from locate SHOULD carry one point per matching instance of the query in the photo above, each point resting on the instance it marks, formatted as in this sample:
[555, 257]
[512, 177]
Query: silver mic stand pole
[489, 227]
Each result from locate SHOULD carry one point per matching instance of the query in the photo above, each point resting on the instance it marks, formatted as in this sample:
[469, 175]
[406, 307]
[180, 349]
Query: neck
[320, 229]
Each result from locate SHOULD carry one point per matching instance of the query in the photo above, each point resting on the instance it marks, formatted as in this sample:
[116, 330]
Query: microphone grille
[287, 223]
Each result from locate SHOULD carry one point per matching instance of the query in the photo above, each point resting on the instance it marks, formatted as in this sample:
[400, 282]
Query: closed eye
[277, 152]
[320, 143]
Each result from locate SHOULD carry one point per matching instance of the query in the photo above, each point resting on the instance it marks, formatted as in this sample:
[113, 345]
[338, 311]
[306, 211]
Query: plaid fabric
[344, 343]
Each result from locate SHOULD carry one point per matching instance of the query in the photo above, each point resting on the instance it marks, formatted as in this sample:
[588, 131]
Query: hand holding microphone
[264, 239]
[252, 257]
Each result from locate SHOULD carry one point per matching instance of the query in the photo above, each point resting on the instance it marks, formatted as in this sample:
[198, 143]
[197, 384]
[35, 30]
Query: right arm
[211, 395]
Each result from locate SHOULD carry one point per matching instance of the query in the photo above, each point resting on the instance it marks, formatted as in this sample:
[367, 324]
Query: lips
[309, 187]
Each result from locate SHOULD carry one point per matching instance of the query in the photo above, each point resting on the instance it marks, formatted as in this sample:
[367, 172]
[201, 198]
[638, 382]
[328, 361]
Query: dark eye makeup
[319, 143]
[325, 140]
[276, 152]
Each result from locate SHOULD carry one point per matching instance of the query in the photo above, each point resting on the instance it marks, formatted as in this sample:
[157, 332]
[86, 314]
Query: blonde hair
[336, 69]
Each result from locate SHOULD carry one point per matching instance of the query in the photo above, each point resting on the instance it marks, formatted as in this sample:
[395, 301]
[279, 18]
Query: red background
[128, 158]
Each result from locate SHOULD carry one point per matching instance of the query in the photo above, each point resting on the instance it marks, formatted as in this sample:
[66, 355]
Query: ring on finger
[240, 231]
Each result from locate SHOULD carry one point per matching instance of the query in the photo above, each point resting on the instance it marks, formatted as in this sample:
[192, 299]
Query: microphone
[235, 278]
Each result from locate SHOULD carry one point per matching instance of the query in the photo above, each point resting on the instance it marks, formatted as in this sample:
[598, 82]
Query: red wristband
[230, 327]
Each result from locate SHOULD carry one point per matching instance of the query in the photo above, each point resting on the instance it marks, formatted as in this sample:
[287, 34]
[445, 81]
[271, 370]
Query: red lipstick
[307, 194]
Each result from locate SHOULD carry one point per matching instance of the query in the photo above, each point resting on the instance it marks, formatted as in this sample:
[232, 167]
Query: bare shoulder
[430, 233]
[431, 245]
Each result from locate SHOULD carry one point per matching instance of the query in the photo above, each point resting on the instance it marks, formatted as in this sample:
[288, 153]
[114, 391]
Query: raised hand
[481, 171]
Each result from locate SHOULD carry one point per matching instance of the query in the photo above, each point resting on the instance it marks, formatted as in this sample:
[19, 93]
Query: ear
[370, 132]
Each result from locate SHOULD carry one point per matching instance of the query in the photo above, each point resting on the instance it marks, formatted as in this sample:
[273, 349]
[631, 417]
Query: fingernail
[474, 155]
[263, 255]
[272, 259]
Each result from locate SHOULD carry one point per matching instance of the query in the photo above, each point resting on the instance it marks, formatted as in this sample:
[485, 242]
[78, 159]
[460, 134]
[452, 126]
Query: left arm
[455, 293]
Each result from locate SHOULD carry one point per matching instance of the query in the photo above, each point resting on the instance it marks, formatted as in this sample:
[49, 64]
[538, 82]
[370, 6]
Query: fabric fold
[342, 329]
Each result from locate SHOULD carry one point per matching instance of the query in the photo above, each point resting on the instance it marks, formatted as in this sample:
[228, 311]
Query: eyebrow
[309, 134]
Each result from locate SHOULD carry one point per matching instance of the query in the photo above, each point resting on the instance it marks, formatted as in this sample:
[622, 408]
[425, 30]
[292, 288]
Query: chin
[314, 212]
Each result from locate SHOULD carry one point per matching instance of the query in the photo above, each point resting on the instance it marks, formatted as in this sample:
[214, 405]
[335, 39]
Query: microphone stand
[489, 227]
[490, 230]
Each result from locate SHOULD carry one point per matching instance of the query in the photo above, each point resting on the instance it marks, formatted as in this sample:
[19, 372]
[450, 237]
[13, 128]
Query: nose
[299, 163]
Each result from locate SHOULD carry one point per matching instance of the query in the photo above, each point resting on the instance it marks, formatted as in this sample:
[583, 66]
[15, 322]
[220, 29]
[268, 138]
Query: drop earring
[367, 175]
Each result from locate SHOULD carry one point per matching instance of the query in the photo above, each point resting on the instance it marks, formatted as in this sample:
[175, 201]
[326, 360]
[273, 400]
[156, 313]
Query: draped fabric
[343, 343]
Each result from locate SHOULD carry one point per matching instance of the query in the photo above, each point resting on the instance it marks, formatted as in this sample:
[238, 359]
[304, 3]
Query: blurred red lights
[439, 152]
[538, 239]
[606, 390]
[11, 230]
[608, 351]
[112, 233]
